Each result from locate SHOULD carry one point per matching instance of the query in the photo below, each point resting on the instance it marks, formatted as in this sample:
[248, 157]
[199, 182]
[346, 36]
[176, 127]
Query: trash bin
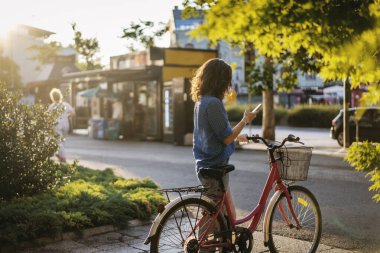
[97, 128]
[112, 129]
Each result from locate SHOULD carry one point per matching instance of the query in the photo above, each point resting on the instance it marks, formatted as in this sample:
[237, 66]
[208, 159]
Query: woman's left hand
[242, 138]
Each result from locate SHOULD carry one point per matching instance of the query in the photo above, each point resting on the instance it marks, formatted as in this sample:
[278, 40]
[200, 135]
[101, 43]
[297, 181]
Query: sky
[103, 19]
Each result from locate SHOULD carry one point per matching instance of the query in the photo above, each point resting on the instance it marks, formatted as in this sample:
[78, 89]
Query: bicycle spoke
[303, 238]
[184, 225]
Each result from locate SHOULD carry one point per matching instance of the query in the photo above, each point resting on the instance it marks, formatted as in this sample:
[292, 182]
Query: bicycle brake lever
[257, 140]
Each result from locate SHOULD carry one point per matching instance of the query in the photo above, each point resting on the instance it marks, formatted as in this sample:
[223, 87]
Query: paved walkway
[132, 241]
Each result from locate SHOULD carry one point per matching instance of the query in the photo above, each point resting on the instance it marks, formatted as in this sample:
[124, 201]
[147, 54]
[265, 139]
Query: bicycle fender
[270, 207]
[157, 220]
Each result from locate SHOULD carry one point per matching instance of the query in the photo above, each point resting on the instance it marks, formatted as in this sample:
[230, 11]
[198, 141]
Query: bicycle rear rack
[184, 190]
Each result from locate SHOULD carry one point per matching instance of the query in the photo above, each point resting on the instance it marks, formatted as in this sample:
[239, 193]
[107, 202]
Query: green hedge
[92, 198]
[27, 141]
[365, 157]
[299, 116]
[312, 116]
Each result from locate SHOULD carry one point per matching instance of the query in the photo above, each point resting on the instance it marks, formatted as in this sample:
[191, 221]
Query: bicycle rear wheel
[283, 235]
[178, 232]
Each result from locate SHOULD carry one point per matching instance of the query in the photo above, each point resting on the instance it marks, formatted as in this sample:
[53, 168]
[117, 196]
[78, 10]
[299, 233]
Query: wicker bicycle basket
[294, 162]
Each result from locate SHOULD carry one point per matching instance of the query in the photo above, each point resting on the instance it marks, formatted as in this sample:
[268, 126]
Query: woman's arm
[248, 117]
[70, 110]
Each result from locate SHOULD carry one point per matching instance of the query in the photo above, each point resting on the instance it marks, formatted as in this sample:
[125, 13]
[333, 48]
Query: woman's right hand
[249, 116]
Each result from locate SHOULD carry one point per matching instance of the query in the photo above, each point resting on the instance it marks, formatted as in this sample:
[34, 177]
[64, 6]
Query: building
[146, 92]
[179, 29]
[50, 76]
[37, 79]
[17, 45]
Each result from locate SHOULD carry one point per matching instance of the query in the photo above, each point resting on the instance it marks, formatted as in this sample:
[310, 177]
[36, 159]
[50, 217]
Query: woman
[63, 126]
[214, 138]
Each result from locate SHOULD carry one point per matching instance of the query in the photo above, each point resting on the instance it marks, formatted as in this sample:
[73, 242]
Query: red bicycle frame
[273, 178]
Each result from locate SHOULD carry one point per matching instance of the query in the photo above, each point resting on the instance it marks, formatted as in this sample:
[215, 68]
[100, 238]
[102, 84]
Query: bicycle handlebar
[290, 138]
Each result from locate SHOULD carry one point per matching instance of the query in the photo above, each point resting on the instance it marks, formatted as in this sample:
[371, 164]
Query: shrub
[301, 115]
[27, 141]
[236, 112]
[312, 116]
[281, 115]
[365, 157]
[93, 198]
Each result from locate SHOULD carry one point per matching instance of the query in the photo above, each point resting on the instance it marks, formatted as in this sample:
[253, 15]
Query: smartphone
[257, 108]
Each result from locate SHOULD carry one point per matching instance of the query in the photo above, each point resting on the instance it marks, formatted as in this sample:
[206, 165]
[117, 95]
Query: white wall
[16, 47]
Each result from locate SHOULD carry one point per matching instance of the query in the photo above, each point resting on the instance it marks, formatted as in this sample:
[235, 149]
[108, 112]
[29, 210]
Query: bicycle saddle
[216, 172]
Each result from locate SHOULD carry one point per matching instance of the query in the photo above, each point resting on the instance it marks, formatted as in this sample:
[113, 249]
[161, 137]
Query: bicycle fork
[290, 205]
[279, 190]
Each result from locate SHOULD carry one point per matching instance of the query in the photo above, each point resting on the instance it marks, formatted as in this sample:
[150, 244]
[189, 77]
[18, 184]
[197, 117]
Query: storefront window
[146, 113]
[168, 110]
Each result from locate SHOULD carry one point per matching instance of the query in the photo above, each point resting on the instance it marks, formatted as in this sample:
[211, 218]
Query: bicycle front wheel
[181, 229]
[284, 236]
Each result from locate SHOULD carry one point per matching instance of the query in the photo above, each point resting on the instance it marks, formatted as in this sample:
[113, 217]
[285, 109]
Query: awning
[98, 92]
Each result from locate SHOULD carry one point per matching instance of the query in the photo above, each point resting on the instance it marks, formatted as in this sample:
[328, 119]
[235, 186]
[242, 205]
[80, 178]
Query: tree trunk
[268, 126]
[268, 105]
[346, 116]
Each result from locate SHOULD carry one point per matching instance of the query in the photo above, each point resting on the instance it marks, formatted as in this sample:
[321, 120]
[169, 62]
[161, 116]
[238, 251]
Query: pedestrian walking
[63, 126]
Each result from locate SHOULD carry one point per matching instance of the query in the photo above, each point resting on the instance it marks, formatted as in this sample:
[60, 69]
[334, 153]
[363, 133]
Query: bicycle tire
[176, 212]
[306, 208]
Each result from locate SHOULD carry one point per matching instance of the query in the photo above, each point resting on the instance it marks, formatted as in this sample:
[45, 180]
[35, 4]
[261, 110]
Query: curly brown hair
[213, 78]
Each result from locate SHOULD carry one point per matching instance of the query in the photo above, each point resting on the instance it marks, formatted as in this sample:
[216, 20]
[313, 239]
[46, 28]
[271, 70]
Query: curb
[85, 233]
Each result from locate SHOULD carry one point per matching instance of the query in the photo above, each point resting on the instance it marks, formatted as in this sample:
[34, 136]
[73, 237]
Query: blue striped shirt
[211, 127]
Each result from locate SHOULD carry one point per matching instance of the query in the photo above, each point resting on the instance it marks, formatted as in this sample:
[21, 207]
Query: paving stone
[98, 240]
[112, 247]
[61, 247]
[137, 231]
[97, 230]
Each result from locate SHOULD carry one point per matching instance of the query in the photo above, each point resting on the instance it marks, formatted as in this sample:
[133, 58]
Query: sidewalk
[132, 241]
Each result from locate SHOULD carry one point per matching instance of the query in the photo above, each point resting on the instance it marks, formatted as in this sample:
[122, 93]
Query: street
[350, 217]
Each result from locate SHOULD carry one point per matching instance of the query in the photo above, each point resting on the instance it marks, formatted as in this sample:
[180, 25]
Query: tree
[45, 53]
[87, 48]
[143, 34]
[9, 73]
[260, 79]
[341, 40]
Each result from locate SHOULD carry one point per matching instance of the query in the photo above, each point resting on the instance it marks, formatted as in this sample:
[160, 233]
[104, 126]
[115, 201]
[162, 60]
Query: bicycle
[194, 223]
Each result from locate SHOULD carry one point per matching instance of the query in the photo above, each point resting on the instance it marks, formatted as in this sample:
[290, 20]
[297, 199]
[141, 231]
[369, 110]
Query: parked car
[365, 120]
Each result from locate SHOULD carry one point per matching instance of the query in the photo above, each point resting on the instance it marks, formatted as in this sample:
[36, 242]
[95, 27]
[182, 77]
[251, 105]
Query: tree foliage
[233, 22]
[45, 53]
[9, 73]
[143, 34]
[27, 141]
[337, 39]
[87, 48]
[365, 157]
